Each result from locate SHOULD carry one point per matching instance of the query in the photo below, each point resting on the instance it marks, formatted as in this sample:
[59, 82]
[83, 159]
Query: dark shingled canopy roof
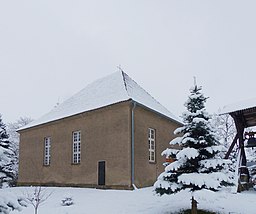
[246, 110]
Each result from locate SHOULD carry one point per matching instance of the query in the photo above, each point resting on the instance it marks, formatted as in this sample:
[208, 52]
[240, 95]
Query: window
[151, 145]
[47, 153]
[76, 147]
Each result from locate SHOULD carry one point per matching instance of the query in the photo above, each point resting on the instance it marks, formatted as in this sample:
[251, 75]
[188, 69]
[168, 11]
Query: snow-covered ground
[138, 201]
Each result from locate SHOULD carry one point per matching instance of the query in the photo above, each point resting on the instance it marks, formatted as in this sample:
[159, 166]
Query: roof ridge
[143, 90]
[125, 84]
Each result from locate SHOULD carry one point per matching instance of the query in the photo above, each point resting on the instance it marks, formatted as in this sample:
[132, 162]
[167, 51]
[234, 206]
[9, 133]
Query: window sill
[75, 164]
[152, 162]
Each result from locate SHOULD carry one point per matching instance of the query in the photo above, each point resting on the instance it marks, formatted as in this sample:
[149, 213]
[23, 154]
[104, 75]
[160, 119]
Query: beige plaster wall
[102, 131]
[146, 173]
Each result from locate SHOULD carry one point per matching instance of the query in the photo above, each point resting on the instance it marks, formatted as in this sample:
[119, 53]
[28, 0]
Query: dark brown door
[101, 173]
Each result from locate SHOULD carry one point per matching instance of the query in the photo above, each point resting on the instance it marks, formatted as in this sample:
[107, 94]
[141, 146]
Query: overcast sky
[51, 49]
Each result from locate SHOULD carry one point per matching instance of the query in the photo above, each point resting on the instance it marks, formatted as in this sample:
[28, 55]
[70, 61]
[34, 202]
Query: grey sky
[49, 50]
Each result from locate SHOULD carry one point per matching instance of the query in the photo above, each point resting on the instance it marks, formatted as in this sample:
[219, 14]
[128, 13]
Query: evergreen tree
[197, 164]
[6, 158]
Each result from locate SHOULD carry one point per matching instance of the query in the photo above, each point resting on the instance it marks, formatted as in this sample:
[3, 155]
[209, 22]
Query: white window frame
[76, 147]
[47, 151]
[152, 145]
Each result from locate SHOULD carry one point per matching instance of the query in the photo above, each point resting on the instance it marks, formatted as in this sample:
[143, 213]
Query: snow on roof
[111, 89]
[242, 105]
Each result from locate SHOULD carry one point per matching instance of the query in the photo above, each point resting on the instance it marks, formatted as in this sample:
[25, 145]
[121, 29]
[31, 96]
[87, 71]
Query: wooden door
[101, 173]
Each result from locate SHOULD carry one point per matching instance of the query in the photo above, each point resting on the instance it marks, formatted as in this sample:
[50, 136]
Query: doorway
[101, 173]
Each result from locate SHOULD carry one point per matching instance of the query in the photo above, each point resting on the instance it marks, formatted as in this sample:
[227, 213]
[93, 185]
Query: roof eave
[158, 113]
[238, 110]
[37, 125]
[130, 99]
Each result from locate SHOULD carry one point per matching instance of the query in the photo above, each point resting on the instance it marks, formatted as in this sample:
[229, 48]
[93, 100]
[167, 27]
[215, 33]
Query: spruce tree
[6, 158]
[197, 164]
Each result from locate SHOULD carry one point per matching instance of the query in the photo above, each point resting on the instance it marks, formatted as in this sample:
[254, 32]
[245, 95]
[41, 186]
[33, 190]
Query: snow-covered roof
[115, 88]
[242, 105]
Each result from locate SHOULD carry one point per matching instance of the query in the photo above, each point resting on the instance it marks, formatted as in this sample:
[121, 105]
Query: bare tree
[14, 139]
[12, 128]
[226, 131]
[37, 197]
[225, 127]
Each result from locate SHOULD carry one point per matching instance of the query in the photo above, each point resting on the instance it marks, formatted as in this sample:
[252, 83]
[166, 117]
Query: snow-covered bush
[67, 201]
[198, 164]
[9, 202]
[252, 172]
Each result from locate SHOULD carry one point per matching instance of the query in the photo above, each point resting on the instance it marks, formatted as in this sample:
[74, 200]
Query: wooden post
[194, 206]
[240, 126]
[243, 172]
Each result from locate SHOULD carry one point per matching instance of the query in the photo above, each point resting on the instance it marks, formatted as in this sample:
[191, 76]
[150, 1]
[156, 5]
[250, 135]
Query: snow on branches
[197, 164]
[6, 158]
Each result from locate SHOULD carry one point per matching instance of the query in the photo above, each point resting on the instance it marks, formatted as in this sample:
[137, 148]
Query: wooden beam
[231, 147]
